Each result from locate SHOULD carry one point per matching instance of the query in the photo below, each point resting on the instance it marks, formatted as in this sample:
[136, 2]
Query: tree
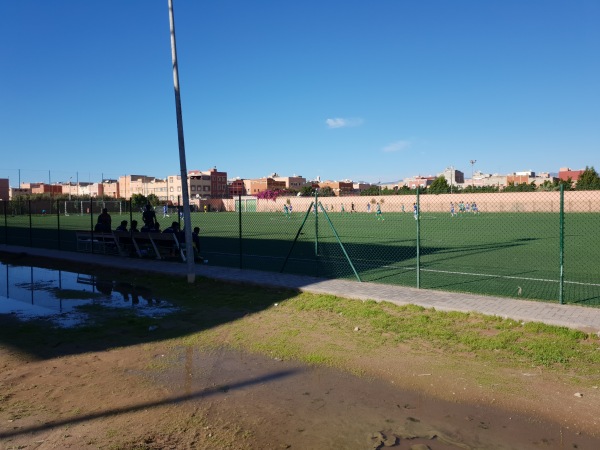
[153, 200]
[307, 191]
[567, 184]
[439, 186]
[547, 185]
[138, 201]
[588, 180]
[521, 187]
[326, 192]
[372, 190]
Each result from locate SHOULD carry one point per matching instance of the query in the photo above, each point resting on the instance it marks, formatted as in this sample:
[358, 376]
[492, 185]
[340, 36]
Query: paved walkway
[577, 317]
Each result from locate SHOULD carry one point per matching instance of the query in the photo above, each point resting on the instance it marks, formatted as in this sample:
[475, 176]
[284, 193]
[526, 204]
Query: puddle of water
[62, 297]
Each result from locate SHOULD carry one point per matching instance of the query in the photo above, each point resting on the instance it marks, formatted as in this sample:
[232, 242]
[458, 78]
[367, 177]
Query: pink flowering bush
[270, 195]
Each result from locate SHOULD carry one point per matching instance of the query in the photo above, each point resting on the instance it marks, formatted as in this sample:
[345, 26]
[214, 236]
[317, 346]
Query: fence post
[316, 232]
[240, 225]
[417, 213]
[91, 222]
[561, 282]
[316, 224]
[58, 221]
[5, 223]
[30, 224]
[91, 215]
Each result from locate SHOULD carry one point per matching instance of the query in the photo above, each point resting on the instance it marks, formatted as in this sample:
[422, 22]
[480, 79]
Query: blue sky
[367, 90]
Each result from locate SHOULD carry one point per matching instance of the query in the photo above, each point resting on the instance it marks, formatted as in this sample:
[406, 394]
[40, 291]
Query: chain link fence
[533, 245]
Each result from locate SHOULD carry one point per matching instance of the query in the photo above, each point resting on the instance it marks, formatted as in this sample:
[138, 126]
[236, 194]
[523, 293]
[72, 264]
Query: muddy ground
[163, 396]
[163, 387]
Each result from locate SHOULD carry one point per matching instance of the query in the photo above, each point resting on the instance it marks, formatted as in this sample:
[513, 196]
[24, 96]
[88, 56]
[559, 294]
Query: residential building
[295, 182]
[157, 187]
[565, 173]
[237, 187]
[453, 176]
[481, 179]
[18, 192]
[529, 177]
[339, 188]
[174, 190]
[218, 183]
[110, 188]
[360, 186]
[200, 184]
[520, 177]
[42, 188]
[91, 189]
[135, 184]
[256, 186]
[418, 181]
[69, 189]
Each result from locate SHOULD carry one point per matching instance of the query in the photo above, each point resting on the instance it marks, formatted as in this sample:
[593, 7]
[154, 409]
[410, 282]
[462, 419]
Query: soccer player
[415, 211]
[378, 212]
[452, 211]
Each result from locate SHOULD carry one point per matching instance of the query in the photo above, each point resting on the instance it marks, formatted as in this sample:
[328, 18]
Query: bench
[124, 242]
[157, 245]
[96, 242]
[161, 245]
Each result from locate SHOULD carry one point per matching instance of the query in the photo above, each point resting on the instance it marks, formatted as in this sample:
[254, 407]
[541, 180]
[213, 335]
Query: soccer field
[508, 254]
[505, 254]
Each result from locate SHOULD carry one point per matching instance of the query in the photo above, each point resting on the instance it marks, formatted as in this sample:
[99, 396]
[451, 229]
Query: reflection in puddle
[63, 297]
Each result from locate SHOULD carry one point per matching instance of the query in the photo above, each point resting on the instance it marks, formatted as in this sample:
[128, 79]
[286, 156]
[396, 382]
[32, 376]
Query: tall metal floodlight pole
[473, 161]
[187, 222]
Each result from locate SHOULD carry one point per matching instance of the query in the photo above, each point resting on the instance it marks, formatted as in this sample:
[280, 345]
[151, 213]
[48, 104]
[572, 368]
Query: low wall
[574, 201]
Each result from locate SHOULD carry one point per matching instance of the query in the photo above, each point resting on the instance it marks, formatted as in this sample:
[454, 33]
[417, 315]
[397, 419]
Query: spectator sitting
[100, 228]
[151, 228]
[122, 227]
[174, 228]
[134, 228]
[196, 244]
[196, 239]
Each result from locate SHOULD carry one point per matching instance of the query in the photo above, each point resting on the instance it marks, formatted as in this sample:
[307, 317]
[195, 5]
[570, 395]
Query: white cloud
[339, 122]
[396, 146]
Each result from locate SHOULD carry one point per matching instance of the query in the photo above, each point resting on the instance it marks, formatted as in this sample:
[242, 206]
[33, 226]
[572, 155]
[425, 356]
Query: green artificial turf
[505, 254]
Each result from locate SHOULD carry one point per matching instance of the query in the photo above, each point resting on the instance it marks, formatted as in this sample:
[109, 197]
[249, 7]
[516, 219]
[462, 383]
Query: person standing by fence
[149, 216]
[104, 222]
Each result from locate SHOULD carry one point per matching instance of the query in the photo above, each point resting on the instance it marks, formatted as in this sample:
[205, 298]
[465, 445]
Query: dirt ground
[164, 396]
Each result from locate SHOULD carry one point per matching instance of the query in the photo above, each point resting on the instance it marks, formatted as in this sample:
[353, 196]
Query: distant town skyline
[86, 177]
